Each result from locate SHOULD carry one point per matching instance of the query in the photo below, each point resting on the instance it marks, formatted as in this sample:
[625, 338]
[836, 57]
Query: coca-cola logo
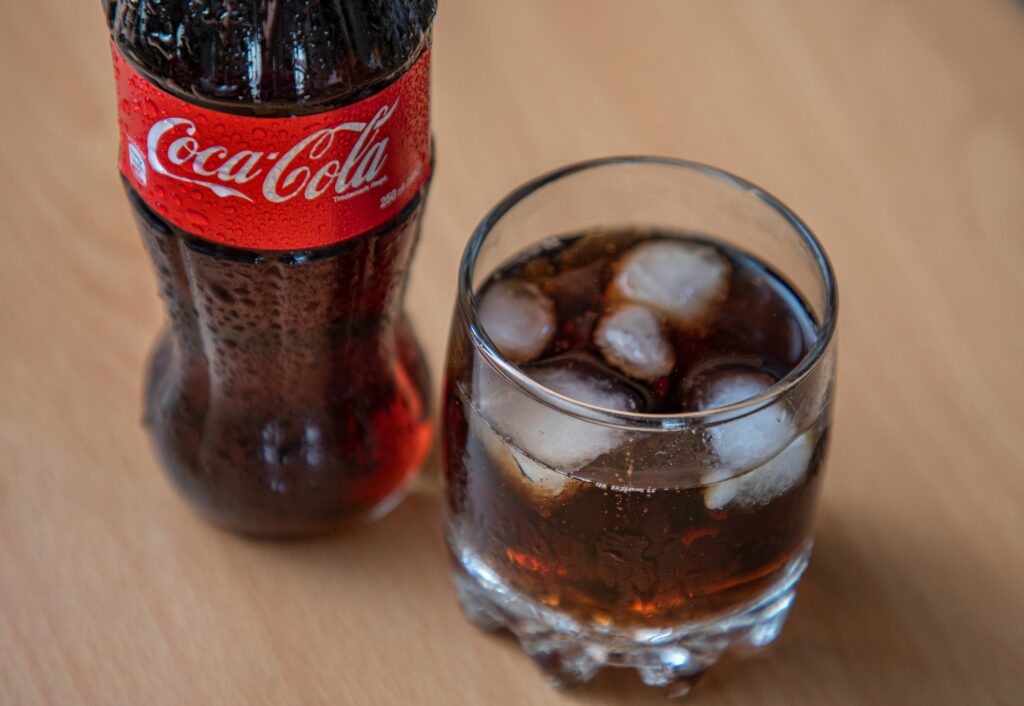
[175, 149]
[276, 182]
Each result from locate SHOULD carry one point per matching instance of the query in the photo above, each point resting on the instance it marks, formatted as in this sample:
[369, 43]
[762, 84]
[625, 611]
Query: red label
[276, 183]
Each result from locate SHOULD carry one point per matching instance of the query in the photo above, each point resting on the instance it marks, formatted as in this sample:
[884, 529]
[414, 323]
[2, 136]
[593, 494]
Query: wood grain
[896, 128]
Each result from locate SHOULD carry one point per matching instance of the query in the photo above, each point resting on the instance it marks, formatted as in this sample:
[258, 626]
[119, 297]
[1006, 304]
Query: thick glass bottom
[569, 651]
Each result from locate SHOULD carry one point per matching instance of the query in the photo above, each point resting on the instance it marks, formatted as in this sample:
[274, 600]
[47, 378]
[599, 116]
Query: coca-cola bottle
[277, 156]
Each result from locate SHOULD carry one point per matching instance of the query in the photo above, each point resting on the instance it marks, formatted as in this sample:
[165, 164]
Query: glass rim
[466, 300]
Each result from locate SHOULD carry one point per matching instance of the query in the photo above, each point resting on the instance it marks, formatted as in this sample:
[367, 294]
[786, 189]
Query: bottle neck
[272, 59]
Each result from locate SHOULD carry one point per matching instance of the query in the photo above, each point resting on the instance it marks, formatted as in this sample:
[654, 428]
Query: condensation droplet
[197, 218]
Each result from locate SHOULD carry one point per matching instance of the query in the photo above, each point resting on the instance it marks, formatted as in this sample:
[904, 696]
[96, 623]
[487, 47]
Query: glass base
[569, 651]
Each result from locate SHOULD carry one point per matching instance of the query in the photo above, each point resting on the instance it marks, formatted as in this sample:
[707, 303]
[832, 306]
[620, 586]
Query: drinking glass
[652, 555]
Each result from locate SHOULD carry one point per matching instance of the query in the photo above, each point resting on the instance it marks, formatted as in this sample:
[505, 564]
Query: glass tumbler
[661, 551]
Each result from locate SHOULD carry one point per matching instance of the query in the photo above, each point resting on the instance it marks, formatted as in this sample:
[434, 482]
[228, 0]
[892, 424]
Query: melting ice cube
[759, 458]
[518, 318]
[541, 443]
[763, 484]
[533, 476]
[680, 280]
[633, 340]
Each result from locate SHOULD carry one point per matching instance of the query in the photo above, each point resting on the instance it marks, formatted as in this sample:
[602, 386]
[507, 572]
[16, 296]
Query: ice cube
[518, 318]
[539, 479]
[555, 439]
[633, 340]
[745, 442]
[758, 457]
[682, 281]
[763, 484]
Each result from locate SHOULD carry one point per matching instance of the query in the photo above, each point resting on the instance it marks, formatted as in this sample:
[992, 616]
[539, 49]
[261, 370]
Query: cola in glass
[594, 523]
[637, 410]
[277, 156]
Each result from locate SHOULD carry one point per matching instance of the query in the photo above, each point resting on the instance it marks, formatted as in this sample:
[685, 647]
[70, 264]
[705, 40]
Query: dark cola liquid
[289, 394]
[611, 552]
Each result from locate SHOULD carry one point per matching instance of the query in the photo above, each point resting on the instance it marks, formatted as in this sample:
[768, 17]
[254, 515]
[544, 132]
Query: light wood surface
[894, 127]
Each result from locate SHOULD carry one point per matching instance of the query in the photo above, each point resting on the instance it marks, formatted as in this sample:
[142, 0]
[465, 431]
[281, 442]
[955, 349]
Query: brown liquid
[277, 404]
[608, 552]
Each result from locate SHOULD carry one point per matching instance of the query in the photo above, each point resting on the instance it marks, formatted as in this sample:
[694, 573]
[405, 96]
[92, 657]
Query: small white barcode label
[138, 162]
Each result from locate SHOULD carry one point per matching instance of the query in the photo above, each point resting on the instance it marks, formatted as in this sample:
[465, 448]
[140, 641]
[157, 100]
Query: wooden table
[895, 127]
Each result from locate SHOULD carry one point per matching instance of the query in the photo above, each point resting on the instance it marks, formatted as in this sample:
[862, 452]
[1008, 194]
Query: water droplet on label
[197, 218]
[151, 108]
